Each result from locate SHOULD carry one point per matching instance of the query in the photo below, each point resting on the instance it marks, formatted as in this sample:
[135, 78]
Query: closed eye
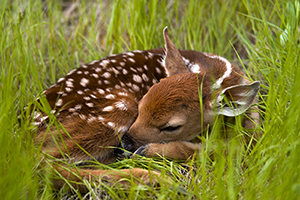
[170, 128]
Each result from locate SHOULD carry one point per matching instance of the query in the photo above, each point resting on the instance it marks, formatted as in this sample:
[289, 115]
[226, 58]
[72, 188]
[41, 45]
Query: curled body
[149, 98]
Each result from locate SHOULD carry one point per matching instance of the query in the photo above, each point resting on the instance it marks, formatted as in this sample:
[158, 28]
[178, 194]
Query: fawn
[119, 97]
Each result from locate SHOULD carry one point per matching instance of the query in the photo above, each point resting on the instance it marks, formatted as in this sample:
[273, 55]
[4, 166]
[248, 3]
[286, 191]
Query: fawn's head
[182, 105]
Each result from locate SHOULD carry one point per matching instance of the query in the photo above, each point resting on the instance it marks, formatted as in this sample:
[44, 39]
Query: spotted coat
[97, 102]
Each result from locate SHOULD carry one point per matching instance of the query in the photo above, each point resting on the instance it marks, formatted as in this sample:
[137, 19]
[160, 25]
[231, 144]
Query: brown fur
[98, 103]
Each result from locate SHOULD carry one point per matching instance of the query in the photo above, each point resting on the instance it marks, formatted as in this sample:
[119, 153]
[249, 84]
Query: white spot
[101, 91]
[72, 71]
[186, 61]
[60, 92]
[109, 69]
[116, 71]
[122, 84]
[72, 110]
[113, 61]
[87, 98]
[123, 94]
[36, 115]
[106, 74]
[125, 71]
[86, 72]
[84, 66]
[108, 109]
[60, 80]
[106, 82]
[44, 118]
[68, 89]
[145, 67]
[154, 81]
[131, 60]
[93, 96]
[150, 55]
[130, 54]
[83, 117]
[110, 96]
[79, 92]
[78, 106]
[100, 118]
[117, 87]
[99, 82]
[59, 102]
[122, 64]
[104, 63]
[162, 62]
[91, 119]
[121, 105]
[135, 88]
[129, 84]
[140, 69]
[195, 68]
[137, 51]
[137, 78]
[95, 75]
[69, 84]
[75, 113]
[132, 69]
[158, 70]
[79, 72]
[84, 82]
[111, 124]
[122, 129]
[98, 69]
[227, 73]
[93, 62]
[36, 123]
[90, 104]
[145, 77]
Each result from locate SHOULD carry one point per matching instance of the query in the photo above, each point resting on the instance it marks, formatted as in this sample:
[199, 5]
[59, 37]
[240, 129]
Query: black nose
[128, 145]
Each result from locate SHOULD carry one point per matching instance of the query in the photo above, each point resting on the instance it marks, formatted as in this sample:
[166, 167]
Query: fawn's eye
[170, 128]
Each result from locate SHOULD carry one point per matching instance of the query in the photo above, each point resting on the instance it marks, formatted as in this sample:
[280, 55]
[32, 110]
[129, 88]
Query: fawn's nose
[128, 143]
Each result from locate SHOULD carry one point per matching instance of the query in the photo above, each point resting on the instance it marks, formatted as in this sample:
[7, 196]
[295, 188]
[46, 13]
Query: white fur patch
[106, 74]
[84, 82]
[59, 102]
[108, 109]
[137, 78]
[227, 73]
[121, 105]
[110, 96]
[68, 89]
[131, 60]
[104, 63]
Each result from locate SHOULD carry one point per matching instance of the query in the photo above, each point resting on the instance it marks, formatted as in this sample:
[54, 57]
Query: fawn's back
[98, 102]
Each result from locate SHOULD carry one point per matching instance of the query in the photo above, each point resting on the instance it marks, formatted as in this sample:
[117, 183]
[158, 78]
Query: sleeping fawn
[120, 97]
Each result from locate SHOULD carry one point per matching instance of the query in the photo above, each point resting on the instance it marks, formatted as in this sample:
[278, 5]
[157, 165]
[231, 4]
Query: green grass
[41, 42]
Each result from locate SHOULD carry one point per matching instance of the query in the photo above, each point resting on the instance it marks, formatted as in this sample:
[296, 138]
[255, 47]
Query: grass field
[40, 41]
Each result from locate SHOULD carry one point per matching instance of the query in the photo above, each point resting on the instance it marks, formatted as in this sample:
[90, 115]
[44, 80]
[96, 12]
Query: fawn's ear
[173, 61]
[237, 99]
